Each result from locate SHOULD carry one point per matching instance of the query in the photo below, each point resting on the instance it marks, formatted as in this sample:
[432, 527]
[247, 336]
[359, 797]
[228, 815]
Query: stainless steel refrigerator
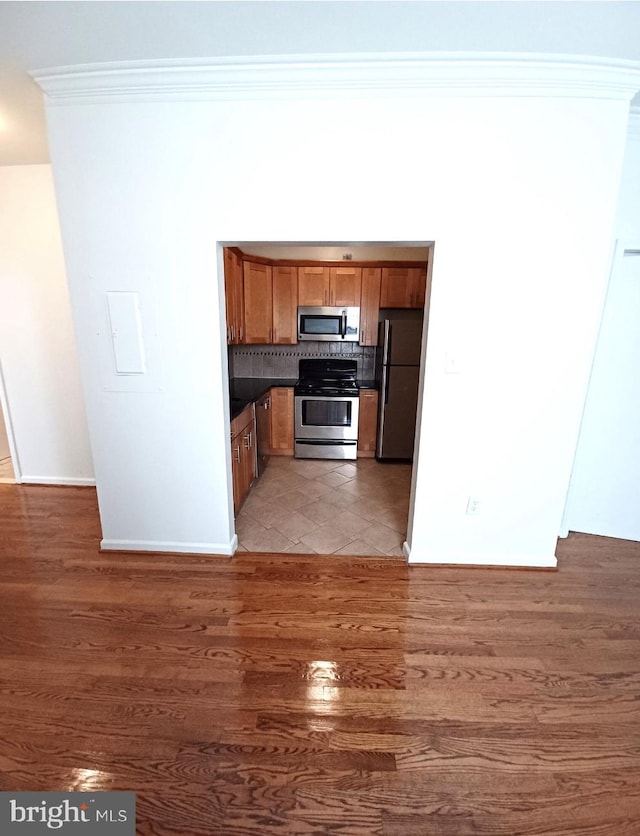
[397, 373]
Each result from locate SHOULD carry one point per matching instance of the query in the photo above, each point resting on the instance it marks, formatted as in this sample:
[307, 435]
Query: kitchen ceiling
[36, 35]
[346, 252]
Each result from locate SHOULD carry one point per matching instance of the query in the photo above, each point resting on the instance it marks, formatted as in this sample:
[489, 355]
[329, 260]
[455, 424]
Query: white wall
[519, 195]
[604, 495]
[37, 345]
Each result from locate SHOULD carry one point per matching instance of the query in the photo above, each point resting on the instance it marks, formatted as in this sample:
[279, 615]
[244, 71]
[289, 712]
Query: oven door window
[329, 413]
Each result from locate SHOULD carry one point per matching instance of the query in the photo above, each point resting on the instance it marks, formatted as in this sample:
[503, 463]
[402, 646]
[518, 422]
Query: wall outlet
[473, 506]
[451, 363]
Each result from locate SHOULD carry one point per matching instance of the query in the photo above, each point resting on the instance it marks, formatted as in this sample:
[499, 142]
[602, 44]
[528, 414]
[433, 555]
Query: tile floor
[6, 471]
[327, 507]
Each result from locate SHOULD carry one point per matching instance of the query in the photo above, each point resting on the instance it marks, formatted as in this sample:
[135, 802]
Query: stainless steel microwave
[329, 324]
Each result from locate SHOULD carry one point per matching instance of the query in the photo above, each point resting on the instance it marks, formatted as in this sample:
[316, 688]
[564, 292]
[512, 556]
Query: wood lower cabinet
[282, 421]
[367, 423]
[370, 305]
[243, 455]
[403, 287]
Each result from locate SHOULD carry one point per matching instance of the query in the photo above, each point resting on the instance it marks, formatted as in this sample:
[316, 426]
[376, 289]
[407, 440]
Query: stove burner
[330, 378]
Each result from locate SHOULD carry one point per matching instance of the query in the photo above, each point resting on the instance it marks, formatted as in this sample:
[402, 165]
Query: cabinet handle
[238, 454]
[247, 441]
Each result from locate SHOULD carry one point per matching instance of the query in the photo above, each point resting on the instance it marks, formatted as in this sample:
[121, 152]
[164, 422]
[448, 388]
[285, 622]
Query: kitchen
[306, 338]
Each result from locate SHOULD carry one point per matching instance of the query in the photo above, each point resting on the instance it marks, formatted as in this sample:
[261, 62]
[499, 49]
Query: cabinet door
[239, 459]
[236, 470]
[313, 286]
[285, 305]
[395, 291]
[403, 287]
[248, 474]
[234, 296]
[228, 294]
[344, 286]
[282, 421]
[263, 424]
[258, 303]
[238, 300]
[370, 305]
[367, 422]
[243, 459]
[419, 290]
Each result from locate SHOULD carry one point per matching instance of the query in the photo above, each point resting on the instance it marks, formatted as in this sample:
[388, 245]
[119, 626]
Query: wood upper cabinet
[282, 421]
[234, 297]
[285, 305]
[313, 286]
[270, 303]
[258, 303]
[370, 305]
[367, 422]
[344, 286]
[420, 282]
[403, 287]
[333, 286]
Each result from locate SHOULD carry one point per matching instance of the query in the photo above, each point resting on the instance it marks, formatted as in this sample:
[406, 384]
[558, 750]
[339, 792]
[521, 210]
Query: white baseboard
[26, 479]
[179, 547]
[519, 561]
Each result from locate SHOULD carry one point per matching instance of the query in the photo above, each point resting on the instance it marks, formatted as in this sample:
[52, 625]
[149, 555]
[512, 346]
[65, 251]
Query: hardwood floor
[318, 694]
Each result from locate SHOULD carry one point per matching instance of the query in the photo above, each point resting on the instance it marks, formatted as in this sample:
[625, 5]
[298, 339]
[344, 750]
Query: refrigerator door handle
[386, 342]
[384, 385]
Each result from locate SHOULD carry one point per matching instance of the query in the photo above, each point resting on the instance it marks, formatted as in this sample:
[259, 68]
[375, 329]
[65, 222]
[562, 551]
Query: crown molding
[426, 74]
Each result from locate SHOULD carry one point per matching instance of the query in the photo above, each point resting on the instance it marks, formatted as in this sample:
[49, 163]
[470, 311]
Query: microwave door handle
[343, 327]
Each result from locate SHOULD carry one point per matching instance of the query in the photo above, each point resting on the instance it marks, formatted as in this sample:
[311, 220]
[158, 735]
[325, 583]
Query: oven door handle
[343, 325]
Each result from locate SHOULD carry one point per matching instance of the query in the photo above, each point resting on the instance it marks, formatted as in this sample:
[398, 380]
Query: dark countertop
[246, 390]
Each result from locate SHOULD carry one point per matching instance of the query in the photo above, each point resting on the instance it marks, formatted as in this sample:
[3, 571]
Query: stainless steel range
[326, 410]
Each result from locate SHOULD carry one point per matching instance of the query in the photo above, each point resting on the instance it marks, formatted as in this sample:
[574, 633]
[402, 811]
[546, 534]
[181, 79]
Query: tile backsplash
[282, 360]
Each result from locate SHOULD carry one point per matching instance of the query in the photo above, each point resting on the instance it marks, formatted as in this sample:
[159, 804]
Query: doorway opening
[306, 500]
